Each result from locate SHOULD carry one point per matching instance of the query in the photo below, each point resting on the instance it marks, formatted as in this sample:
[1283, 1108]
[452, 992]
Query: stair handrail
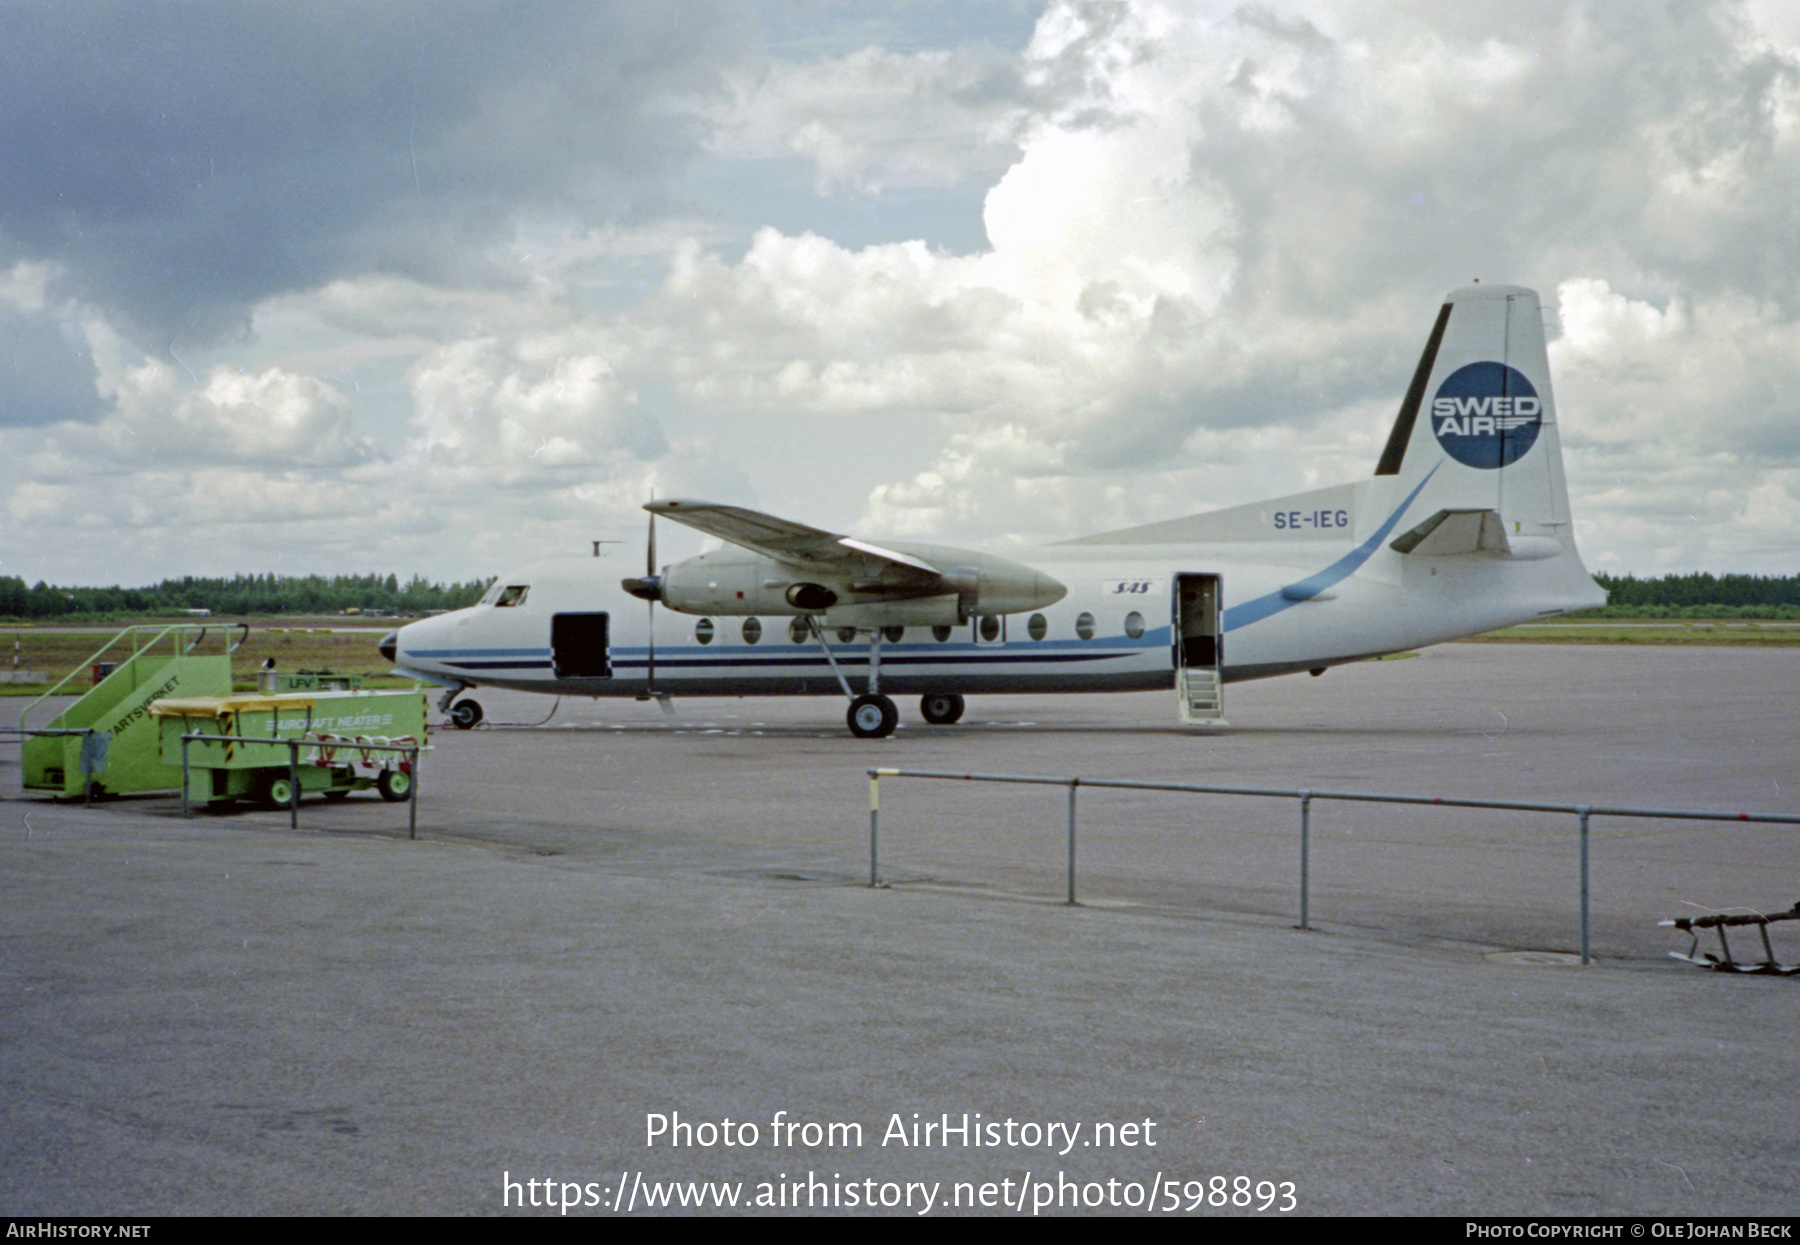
[176, 629]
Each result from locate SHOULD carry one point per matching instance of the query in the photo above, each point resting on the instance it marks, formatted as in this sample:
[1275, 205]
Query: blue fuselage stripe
[1305, 589]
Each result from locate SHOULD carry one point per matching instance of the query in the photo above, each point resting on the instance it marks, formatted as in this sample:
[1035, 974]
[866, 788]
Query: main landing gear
[941, 708]
[872, 715]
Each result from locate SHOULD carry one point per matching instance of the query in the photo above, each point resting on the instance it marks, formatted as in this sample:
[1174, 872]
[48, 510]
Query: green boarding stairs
[117, 749]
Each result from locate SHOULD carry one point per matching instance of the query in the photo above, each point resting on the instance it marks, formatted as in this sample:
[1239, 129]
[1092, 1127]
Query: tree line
[240, 594]
[1702, 594]
[1697, 593]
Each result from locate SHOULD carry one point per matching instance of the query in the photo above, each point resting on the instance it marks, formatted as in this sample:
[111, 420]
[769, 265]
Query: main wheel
[465, 714]
[941, 708]
[280, 792]
[873, 717]
[395, 785]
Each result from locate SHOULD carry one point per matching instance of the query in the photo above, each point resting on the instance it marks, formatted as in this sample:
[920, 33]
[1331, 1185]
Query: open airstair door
[578, 646]
[1198, 644]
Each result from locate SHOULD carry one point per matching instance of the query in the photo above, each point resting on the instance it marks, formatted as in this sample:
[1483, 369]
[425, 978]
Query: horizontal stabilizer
[1450, 533]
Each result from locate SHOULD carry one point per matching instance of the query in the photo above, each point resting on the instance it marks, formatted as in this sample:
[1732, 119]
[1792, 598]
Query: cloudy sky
[439, 288]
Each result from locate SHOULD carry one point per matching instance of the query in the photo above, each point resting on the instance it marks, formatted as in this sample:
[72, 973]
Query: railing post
[874, 824]
[1305, 854]
[294, 779]
[1073, 783]
[412, 805]
[186, 810]
[1583, 810]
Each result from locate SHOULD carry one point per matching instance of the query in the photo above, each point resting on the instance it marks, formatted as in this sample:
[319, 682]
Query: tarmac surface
[615, 921]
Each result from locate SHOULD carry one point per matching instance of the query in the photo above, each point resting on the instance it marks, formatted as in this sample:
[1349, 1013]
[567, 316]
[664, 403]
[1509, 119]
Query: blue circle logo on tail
[1487, 415]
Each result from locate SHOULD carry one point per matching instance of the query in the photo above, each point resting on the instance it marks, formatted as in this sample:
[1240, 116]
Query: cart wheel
[280, 792]
[394, 785]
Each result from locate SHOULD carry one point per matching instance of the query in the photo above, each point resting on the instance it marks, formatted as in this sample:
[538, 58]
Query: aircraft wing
[784, 540]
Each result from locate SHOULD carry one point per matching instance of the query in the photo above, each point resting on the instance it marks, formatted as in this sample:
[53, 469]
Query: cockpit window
[512, 594]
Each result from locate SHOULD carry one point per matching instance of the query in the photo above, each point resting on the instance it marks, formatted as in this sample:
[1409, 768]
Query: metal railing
[133, 638]
[1306, 796]
[294, 744]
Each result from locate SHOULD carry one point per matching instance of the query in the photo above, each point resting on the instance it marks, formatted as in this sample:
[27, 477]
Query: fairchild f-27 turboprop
[1463, 528]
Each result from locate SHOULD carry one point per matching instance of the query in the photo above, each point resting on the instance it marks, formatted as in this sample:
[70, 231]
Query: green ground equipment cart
[342, 742]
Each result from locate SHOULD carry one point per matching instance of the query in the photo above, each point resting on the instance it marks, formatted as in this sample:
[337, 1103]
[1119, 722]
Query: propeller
[649, 590]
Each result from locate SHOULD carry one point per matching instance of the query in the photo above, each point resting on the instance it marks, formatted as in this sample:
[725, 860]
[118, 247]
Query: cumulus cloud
[272, 418]
[528, 408]
[875, 120]
[47, 372]
[1228, 219]
[1216, 235]
[182, 163]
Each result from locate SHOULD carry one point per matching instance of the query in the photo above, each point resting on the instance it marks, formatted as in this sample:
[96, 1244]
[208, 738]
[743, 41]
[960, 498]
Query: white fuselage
[1293, 600]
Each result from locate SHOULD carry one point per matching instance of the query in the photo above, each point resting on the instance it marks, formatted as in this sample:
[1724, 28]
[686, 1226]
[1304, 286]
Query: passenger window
[893, 635]
[846, 634]
[1134, 625]
[799, 630]
[941, 634]
[752, 630]
[990, 626]
[1084, 626]
[1039, 626]
[703, 631]
[513, 594]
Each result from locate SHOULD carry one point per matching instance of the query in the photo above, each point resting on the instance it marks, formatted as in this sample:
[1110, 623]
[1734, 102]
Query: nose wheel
[465, 714]
[873, 717]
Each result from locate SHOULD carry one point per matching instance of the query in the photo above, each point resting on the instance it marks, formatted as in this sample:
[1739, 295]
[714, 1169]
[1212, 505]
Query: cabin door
[578, 646]
[1199, 648]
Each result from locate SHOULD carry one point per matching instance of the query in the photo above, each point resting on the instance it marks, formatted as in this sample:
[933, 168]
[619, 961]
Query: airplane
[1464, 527]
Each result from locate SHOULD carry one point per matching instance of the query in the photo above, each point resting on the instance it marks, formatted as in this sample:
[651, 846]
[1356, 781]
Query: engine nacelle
[810, 598]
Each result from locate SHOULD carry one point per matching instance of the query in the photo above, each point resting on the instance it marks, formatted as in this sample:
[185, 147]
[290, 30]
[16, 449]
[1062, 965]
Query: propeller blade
[650, 545]
[650, 575]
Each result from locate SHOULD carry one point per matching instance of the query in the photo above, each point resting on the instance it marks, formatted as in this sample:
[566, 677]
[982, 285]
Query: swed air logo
[1486, 415]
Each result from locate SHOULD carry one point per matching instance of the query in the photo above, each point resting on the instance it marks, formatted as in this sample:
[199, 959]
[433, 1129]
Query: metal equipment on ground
[237, 747]
[1727, 961]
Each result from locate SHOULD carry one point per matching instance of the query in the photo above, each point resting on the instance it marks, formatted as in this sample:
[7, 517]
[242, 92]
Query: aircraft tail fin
[1476, 433]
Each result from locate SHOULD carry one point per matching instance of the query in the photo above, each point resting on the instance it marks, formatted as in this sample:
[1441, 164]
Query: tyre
[941, 708]
[465, 714]
[872, 717]
[279, 791]
[395, 785]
